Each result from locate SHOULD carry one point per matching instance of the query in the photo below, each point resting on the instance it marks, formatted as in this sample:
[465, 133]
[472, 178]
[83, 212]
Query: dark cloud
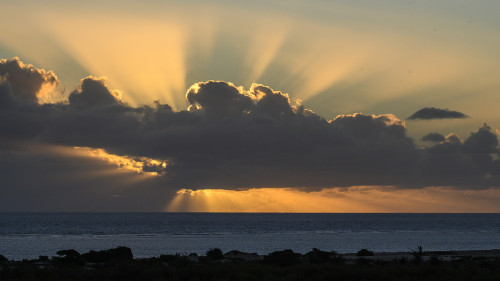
[428, 113]
[26, 81]
[436, 137]
[218, 99]
[235, 138]
[93, 92]
[45, 177]
[5, 93]
[433, 137]
[473, 163]
[274, 104]
[483, 141]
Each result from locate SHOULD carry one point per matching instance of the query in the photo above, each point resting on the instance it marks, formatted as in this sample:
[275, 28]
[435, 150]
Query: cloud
[28, 83]
[231, 137]
[93, 92]
[218, 99]
[428, 113]
[5, 93]
[472, 163]
[433, 137]
[37, 176]
[436, 137]
[348, 200]
[483, 141]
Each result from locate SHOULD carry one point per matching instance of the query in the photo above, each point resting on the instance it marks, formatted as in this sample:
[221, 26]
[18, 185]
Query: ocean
[29, 235]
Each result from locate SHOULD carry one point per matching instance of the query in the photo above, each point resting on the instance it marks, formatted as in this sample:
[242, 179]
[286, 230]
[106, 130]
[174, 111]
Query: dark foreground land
[119, 264]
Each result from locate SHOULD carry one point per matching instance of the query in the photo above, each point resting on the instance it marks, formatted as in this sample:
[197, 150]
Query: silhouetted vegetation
[118, 264]
[69, 254]
[118, 254]
[175, 260]
[68, 257]
[283, 258]
[417, 254]
[317, 256]
[364, 253]
[215, 254]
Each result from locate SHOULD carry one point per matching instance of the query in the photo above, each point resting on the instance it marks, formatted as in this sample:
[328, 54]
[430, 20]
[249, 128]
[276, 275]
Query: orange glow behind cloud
[124, 170]
[337, 200]
[150, 54]
[122, 162]
[390, 56]
[127, 171]
[144, 57]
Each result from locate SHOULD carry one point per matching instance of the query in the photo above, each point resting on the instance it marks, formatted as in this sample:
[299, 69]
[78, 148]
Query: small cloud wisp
[428, 113]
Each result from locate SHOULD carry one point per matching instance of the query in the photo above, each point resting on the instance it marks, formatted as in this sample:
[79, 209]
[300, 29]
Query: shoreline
[119, 264]
[427, 255]
[374, 256]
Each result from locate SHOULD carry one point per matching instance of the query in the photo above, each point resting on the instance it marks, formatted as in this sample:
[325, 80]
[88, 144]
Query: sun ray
[136, 164]
[263, 50]
[361, 199]
[145, 57]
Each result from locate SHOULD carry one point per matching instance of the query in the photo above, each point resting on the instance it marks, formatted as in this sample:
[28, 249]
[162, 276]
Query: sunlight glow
[263, 50]
[144, 57]
[360, 199]
[359, 57]
[124, 171]
[384, 65]
[136, 164]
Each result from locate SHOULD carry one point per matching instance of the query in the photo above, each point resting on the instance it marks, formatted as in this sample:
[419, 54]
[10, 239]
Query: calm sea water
[28, 235]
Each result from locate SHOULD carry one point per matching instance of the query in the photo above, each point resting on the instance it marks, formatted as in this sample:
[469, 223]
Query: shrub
[70, 254]
[364, 253]
[116, 254]
[175, 260]
[318, 256]
[215, 254]
[283, 258]
[417, 254]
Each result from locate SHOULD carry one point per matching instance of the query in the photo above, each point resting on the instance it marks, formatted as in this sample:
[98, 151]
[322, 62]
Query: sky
[250, 106]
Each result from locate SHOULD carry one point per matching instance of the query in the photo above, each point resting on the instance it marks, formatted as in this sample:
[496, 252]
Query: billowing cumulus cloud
[27, 83]
[436, 137]
[218, 99]
[428, 113]
[93, 92]
[482, 141]
[472, 163]
[433, 137]
[231, 137]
